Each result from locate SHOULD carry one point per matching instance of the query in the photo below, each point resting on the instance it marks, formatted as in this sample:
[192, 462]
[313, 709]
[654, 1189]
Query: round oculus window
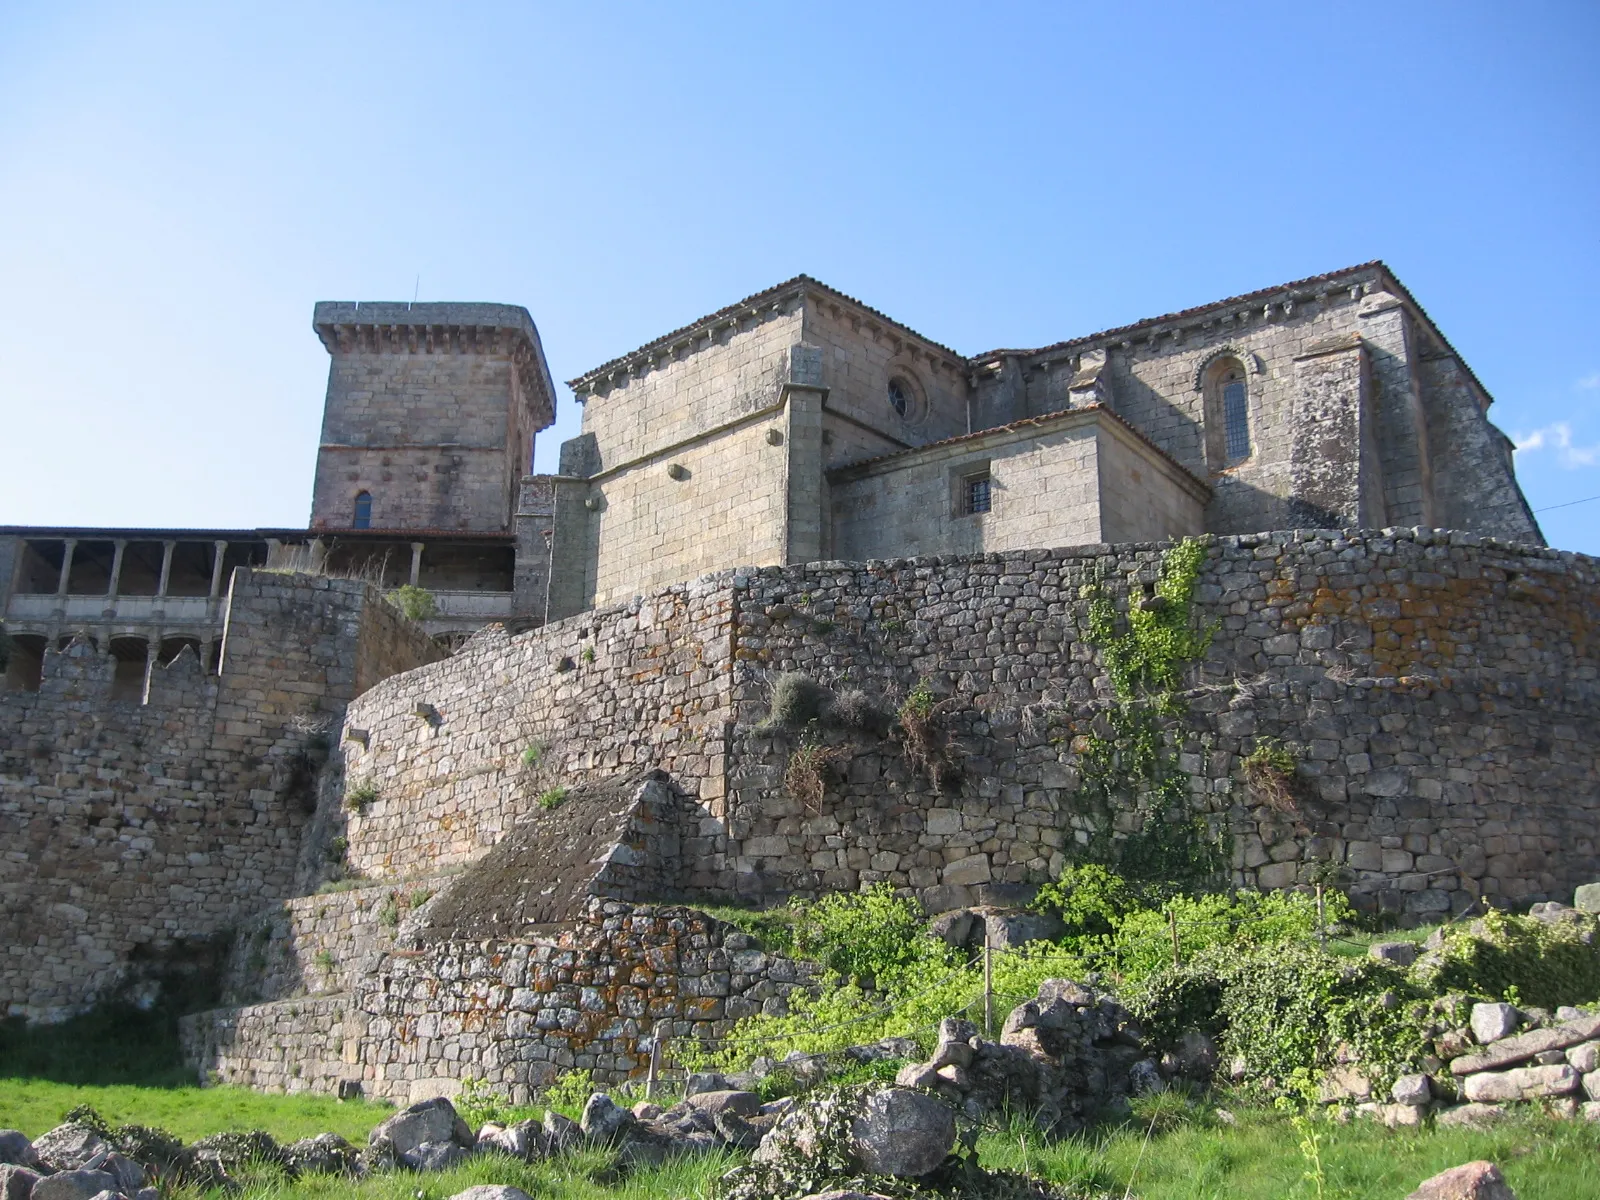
[900, 397]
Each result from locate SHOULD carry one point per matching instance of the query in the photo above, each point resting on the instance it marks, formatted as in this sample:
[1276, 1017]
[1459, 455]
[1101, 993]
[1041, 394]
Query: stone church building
[800, 425]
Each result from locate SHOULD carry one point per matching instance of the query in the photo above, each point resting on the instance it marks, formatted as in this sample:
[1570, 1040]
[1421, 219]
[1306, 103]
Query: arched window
[1227, 414]
[1236, 417]
[363, 519]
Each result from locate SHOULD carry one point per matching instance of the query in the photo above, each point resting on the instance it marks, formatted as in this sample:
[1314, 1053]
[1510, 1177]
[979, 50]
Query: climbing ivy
[1124, 753]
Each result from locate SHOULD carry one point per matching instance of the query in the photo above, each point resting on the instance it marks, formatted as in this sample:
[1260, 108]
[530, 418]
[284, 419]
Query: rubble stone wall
[1440, 692]
[639, 685]
[516, 1013]
[132, 832]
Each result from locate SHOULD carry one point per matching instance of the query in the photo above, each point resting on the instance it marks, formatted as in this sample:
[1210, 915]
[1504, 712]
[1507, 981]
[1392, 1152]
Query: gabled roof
[767, 298]
[800, 283]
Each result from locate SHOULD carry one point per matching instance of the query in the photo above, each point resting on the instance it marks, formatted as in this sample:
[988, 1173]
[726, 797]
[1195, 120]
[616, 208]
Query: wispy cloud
[1558, 437]
[1589, 383]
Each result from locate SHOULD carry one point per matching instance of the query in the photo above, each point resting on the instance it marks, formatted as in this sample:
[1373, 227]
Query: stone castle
[222, 753]
[795, 426]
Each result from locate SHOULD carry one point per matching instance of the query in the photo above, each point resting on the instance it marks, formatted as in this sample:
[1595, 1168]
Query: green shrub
[1545, 964]
[1089, 898]
[360, 795]
[570, 1092]
[533, 754]
[797, 700]
[417, 604]
[872, 934]
[1286, 1008]
[552, 798]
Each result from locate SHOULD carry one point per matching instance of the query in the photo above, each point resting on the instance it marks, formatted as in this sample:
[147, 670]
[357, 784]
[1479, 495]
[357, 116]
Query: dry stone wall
[137, 832]
[1439, 691]
[640, 685]
[514, 1013]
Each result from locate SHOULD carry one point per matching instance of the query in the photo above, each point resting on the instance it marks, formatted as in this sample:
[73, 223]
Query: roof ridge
[1182, 313]
[759, 299]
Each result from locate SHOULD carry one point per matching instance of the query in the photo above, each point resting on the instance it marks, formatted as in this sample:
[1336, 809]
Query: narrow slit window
[1236, 419]
[976, 494]
[363, 517]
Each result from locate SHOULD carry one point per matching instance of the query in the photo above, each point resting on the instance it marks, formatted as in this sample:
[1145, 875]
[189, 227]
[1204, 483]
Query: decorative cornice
[500, 330]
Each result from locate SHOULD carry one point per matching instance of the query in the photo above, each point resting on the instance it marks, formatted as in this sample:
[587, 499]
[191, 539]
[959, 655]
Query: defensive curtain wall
[134, 834]
[1437, 691]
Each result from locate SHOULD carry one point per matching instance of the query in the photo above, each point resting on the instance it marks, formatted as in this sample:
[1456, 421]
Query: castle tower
[430, 415]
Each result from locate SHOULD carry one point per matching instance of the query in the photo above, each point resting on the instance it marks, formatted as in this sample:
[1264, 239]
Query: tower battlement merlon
[443, 327]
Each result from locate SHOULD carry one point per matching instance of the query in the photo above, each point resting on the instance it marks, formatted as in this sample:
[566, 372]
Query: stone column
[216, 569]
[166, 566]
[416, 562]
[121, 545]
[67, 547]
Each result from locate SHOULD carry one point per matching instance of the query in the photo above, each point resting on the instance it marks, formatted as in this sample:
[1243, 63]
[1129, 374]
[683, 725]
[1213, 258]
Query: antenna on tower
[417, 288]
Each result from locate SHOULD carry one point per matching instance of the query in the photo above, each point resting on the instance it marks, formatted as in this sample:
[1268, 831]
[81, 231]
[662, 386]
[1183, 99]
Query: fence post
[655, 1065]
[1172, 924]
[1322, 920]
[988, 984]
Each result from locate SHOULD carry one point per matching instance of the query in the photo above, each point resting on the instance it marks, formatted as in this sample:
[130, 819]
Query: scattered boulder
[704, 1081]
[745, 1104]
[16, 1183]
[524, 1140]
[1010, 929]
[1491, 1022]
[434, 1156]
[76, 1184]
[736, 1131]
[902, 1132]
[645, 1110]
[15, 1148]
[604, 1120]
[492, 1191]
[1472, 1181]
[130, 1176]
[325, 1154]
[69, 1146]
[561, 1133]
[1587, 898]
[219, 1155]
[426, 1121]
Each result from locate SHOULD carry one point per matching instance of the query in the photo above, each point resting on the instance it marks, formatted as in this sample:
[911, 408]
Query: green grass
[587, 1175]
[35, 1105]
[1192, 1155]
[1260, 1159]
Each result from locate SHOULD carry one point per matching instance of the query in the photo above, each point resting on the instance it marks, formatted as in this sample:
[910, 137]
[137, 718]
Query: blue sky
[180, 183]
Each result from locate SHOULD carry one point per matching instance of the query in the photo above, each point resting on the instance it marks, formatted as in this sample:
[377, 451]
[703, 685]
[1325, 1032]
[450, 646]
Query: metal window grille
[977, 494]
[899, 400]
[363, 519]
[1236, 419]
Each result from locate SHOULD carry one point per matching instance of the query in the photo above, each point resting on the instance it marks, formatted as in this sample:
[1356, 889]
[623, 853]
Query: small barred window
[363, 517]
[977, 493]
